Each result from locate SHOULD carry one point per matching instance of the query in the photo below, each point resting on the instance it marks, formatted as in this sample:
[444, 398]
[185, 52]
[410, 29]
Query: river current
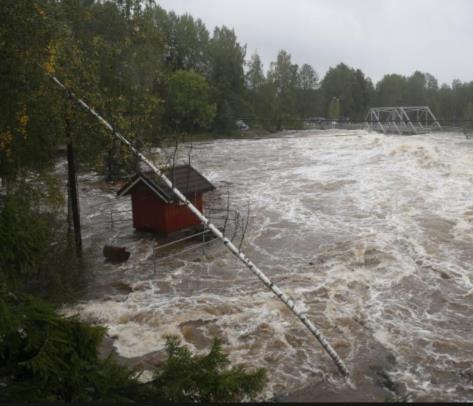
[372, 235]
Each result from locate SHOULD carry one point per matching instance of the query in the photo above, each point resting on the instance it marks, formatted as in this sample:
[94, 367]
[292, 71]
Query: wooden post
[73, 195]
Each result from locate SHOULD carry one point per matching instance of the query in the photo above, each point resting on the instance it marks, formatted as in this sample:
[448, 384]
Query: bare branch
[245, 227]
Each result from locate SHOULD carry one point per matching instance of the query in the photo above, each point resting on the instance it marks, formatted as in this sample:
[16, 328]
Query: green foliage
[188, 101]
[226, 76]
[284, 96]
[111, 54]
[283, 74]
[351, 88]
[255, 77]
[24, 239]
[261, 96]
[447, 102]
[416, 90]
[397, 90]
[207, 378]
[35, 254]
[28, 114]
[187, 43]
[46, 357]
[390, 90]
[468, 118]
[334, 109]
[121, 56]
[307, 95]
[225, 120]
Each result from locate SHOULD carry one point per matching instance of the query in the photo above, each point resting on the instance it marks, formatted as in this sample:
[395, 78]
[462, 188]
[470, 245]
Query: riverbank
[169, 142]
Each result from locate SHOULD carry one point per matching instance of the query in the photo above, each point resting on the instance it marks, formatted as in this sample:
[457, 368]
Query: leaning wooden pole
[230, 246]
[72, 185]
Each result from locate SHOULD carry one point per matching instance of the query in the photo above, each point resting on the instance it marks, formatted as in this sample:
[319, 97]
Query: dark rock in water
[105, 348]
[311, 263]
[382, 379]
[467, 375]
[115, 254]
[122, 287]
[391, 359]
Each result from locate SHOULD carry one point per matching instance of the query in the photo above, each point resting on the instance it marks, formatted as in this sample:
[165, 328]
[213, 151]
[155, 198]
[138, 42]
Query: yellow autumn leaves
[23, 122]
[6, 137]
[49, 65]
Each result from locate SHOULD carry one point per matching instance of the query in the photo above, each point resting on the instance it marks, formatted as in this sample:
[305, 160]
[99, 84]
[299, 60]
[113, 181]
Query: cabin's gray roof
[184, 177]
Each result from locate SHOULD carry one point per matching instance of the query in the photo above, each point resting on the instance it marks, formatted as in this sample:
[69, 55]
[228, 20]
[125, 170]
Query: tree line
[155, 74]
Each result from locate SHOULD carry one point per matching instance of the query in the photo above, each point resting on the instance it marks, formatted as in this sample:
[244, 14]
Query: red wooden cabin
[154, 205]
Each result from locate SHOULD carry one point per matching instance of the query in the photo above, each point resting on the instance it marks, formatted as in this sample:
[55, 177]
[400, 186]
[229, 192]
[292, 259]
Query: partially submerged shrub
[208, 378]
[48, 357]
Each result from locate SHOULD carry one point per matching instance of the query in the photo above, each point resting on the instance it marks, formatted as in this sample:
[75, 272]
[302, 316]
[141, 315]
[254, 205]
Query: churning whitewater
[372, 235]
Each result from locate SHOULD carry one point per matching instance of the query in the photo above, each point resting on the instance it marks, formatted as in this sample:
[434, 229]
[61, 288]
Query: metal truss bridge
[402, 120]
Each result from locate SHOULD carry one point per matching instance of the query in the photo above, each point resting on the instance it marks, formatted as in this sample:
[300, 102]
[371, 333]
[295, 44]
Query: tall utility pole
[73, 196]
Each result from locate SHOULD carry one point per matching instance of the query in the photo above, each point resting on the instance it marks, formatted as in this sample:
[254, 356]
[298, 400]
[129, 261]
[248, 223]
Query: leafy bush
[35, 254]
[188, 378]
[47, 357]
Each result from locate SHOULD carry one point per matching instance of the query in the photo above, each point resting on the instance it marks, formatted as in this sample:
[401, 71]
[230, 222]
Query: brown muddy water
[372, 235]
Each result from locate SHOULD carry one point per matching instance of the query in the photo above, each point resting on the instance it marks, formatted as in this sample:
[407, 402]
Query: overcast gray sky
[377, 36]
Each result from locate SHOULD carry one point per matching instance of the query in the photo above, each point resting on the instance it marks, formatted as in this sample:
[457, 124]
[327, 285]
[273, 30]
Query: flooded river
[371, 234]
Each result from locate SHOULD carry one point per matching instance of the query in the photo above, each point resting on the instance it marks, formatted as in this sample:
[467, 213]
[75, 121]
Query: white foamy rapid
[373, 234]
